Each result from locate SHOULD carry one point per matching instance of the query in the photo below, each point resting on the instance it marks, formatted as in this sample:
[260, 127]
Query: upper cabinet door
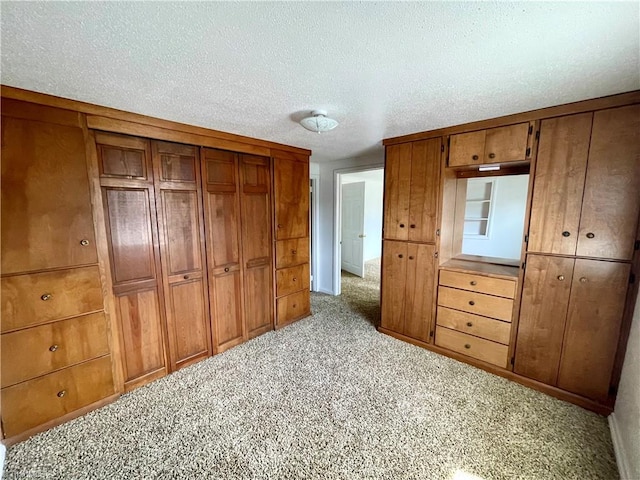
[397, 189]
[559, 183]
[425, 190]
[46, 210]
[467, 149]
[495, 145]
[291, 192]
[611, 195]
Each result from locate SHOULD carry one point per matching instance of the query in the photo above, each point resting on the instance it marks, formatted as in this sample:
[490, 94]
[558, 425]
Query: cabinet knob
[469, 324]
[294, 252]
[279, 225]
[186, 277]
[61, 393]
[471, 302]
[45, 297]
[295, 305]
[475, 157]
[473, 282]
[84, 242]
[410, 257]
[435, 255]
[402, 225]
[492, 155]
[590, 235]
[583, 279]
[565, 234]
[226, 269]
[437, 232]
[53, 348]
[561, 277]
[294, 279]
[399, 255]
[467, 346]
[413, 225]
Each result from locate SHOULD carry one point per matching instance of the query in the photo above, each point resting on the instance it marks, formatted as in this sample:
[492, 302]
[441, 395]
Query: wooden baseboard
[527, 382]
[143, 380]
[59, 421]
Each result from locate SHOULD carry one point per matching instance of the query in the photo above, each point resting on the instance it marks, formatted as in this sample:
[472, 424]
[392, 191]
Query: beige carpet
[326, 398]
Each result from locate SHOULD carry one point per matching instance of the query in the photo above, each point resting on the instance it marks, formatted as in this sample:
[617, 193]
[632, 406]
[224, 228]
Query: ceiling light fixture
[319, 122]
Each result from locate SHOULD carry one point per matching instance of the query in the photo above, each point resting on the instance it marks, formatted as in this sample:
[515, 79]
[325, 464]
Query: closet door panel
[223, 234]
[611, 196]
[425, 190]
[258, 282]
[598, 294]
[291, 179]
[181, 225]
[543, 313]
[187, 318]
[559, 184]
[226, 301]
[394, 277]
[419, 286]
[397, 189]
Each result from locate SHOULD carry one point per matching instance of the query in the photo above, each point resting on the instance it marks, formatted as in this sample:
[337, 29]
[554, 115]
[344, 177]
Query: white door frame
[315, 222]
[337, 215]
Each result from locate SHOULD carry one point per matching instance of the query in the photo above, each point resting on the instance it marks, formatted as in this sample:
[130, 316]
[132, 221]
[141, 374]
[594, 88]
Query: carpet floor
[326, 398]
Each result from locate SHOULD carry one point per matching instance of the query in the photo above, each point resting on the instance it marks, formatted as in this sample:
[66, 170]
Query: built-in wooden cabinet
[492, 146]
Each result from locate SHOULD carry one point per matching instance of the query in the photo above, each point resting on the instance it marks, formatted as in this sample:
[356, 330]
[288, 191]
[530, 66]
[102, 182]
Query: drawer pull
[45, 297]
[294, 279]
[475, 157]
[294, 252]
[565, 234]
[471, 302]
[467, 346]
[561, 277]
[226, 269]
[61, 393]
[84, 242]
[492, 155]
[410, 257]
[399, 255]
[413, 225]
[295, 305]
[279, 225]
[186, 277]
[590, 235]
[583, 279]
[53, 348]
[402, 225]
[473, 283]
[469, 324]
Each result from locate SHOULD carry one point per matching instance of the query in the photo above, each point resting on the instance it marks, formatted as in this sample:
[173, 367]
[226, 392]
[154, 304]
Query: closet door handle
[413, 225]
[565, 234]
[402, 225]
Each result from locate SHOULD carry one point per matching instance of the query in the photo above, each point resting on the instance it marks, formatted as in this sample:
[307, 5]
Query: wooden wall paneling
[611, 200]
[255, 202]
[224, 250]
[177, 183]
[545, 299]
[425, 190]
[420, 282]
[397, 186]
[591, 335]
[559, 183]
[394, 276]
[35, 236]
[291, 198]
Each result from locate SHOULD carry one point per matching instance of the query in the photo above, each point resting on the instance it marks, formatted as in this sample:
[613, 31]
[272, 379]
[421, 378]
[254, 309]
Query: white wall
[326, 251]
[625, 420]
[507, 222]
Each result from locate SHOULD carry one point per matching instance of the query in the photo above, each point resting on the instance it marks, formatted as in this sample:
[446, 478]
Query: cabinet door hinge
[632, 278]
[431, 333]
[524, 264]
[530, 129]
[526, 239]
[528, 152]
[636, 245]
[437, 232]
[538, 135]
[442, 147]
[513, 359]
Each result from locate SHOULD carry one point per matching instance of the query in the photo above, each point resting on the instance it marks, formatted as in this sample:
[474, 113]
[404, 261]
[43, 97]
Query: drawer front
[477, 303]
[478, 283]
[37, 401]
[29, 300]
[40, 350]
[293, 307]
[488, 328]
[485, 350]
[292, 252]
[292, 279]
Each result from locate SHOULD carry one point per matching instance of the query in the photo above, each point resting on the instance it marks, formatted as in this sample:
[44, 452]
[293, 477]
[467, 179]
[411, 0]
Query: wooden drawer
[478, 283]
[292, 307]
[488, 328]
[292, 252]
[477, 303]
[485, 350]
[41, 297]
[292, 279]
[40, 350]
[32, 403]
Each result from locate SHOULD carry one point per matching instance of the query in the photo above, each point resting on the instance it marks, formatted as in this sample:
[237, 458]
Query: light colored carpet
[325, 398]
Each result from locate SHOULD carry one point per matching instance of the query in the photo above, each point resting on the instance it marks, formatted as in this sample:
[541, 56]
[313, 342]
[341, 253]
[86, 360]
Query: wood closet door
[397, 190]
[222, 227]
[291, 192]
[425, 190]
[255, 202]
[130, 215]
[420, 284]
[611, 195]
[559, 184]
[46, 210]
[394, 277]
[598, 294]
[181, 233]
[543, 314]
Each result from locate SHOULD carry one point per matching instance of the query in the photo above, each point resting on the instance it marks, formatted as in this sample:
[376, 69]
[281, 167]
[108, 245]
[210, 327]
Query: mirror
[494, 210]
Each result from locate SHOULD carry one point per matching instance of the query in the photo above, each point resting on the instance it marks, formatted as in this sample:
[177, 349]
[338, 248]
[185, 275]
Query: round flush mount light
[319, 122]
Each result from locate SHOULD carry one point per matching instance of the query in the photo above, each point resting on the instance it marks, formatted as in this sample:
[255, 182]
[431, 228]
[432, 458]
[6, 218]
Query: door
[291, 181]
[420, 284]
[353, 228]
[397, 188]
[425, 190]
[394, 276]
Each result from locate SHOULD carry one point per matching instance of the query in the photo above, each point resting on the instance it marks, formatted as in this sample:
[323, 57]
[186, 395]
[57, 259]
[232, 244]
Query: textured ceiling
[380, 69]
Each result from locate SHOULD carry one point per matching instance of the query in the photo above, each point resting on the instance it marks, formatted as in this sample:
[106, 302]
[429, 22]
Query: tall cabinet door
[420, 284]
[397, 190]
[222, 226]
[291, 198]
[543, 313]
[611, 200]
[425, 191]
[255, 202]
[181, 232]
[394, 277]
[130, 215]
[598, 294]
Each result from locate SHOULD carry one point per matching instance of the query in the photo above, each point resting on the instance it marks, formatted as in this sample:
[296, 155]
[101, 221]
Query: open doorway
[360, 199]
